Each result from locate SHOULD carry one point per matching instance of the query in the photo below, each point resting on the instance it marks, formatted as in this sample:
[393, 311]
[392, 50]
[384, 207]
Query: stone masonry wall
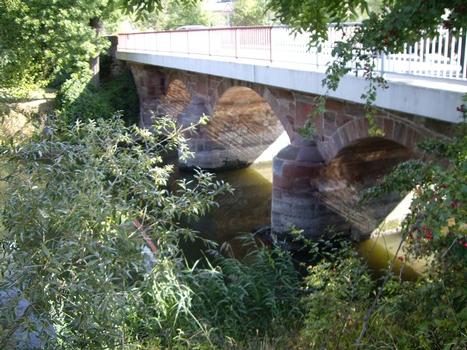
[301, 170]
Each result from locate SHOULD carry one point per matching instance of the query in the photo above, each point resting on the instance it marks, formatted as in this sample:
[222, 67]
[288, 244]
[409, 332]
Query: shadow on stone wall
[356, 168]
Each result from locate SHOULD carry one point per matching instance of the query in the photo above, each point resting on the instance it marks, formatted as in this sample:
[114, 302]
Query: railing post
[382, 63]
[209, 42]
[317, 49]
[463, 55]
[270, 44]
[236, 44]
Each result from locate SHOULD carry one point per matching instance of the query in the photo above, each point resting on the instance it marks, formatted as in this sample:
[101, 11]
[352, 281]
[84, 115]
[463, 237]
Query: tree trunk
[96, 24]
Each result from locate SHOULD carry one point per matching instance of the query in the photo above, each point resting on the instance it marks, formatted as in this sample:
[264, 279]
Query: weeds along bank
[346, 308]
[87, 195]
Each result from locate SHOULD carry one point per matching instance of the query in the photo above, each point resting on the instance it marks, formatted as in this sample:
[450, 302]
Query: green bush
[248, 298]
[340, 288]
[347, 309]
[425, 314]
[70, 245]
[70, 248]
[79, 99]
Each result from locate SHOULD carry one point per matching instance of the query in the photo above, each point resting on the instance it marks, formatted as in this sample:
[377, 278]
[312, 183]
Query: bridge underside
[315, 183]
[241, 126]
[321, 197]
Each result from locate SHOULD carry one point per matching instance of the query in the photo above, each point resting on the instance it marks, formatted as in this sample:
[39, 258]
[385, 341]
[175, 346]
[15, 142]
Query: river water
[249, 209]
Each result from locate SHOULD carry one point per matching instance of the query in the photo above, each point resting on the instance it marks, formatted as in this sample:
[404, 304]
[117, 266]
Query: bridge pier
[150, 84]
[297, 171]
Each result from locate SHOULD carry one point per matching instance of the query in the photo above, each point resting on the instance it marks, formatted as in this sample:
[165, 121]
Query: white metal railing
[443, 56]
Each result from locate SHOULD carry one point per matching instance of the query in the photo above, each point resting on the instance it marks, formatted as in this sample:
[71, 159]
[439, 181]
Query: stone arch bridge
[251, 104]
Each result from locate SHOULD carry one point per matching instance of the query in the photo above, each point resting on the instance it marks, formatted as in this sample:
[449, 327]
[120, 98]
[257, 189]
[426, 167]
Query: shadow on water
[246, 210]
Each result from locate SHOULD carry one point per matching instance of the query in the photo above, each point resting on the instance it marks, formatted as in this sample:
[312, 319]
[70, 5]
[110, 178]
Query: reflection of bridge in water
[258, 83]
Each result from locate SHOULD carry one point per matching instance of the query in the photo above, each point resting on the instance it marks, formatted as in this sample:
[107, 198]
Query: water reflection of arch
[247, 209]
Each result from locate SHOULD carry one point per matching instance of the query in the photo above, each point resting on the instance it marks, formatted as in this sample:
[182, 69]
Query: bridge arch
[402, 133]
[242, 125]
[315, 195]
[356, 167]
[364, 155]
[175, 99]
[317, 187]
[280, 101]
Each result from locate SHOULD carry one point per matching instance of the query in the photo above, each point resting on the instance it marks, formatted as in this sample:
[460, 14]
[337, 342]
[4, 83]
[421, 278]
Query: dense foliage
[174, 14]
[314, 16]
[41, 41]
[82, 201]
[250, 13]
[429, 313]
[78, 98]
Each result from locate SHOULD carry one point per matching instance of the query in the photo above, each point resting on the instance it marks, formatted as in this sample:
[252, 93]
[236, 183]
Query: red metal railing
[441, 57]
